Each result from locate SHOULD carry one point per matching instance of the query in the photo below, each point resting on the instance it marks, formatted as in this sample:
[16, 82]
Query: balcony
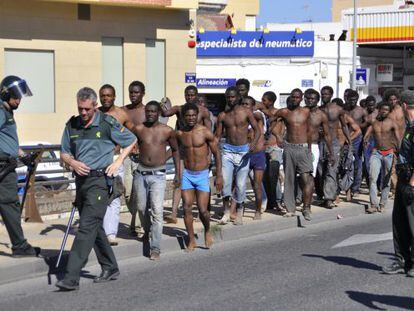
[212, 5]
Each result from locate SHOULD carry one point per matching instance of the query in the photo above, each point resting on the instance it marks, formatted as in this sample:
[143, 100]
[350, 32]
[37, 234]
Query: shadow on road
[347, 261]
[368, 300]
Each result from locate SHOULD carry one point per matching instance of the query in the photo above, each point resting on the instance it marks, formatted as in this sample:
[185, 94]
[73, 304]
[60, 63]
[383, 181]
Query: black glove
[28, 159]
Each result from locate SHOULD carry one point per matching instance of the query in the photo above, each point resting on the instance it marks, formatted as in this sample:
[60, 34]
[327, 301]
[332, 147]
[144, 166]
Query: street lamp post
[353, 83]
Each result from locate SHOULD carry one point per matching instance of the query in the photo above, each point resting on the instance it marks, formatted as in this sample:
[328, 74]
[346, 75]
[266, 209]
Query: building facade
[60, 46]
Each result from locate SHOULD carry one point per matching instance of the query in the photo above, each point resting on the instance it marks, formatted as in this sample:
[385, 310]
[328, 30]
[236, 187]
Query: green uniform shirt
[95, 144]
[9, 142]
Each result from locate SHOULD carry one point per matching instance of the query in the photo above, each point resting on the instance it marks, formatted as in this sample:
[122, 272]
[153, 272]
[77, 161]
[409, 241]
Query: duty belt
[93, 173]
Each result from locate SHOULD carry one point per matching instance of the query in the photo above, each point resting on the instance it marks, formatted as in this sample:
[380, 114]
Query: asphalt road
[331, 266]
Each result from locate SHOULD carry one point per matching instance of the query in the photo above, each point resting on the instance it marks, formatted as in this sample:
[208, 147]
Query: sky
[291, 11]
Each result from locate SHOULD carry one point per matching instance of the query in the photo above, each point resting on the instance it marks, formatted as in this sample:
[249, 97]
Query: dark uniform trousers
[403, 223]
[91, 201]
[10, 210]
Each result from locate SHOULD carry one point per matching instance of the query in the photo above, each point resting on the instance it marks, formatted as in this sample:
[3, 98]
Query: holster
[115, 186]
[404, 171]
[7, 165]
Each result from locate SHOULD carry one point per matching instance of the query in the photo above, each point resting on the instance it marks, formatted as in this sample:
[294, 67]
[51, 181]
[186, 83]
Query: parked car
[48, 169]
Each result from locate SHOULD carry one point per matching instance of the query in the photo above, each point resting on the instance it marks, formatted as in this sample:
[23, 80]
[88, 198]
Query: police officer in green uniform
[403, 211]
[12, 90]
[88, 144]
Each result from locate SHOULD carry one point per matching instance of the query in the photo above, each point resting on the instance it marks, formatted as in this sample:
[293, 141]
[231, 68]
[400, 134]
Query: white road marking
[364, 238]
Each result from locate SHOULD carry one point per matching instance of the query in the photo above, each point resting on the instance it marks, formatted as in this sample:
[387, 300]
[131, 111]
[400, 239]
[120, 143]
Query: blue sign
[190, 77]
[307, 83]
[215, 83]
[362, 76]
[252, 43]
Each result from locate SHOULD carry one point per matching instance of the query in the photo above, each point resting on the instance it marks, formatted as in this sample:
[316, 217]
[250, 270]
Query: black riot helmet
[13, 87]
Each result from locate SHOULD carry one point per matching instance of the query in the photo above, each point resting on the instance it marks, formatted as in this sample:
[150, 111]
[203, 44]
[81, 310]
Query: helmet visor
[19, 89]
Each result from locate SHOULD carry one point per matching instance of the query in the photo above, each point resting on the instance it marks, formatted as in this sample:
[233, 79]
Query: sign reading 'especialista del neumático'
[255, 43]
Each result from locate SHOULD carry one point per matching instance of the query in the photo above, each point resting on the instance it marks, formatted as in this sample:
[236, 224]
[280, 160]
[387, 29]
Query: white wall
[285, 74]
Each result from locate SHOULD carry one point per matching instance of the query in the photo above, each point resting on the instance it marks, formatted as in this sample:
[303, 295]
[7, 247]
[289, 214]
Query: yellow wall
[339, 5]
[77, 49]
[238, 9]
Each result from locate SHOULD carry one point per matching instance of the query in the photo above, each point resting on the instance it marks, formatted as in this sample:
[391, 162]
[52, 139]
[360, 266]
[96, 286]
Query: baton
[65, 237]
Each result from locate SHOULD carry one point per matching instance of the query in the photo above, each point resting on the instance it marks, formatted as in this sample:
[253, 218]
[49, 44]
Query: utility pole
[353, 83]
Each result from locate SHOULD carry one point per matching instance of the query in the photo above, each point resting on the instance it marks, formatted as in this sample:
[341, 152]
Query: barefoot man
[196, 141]
[386, 132]
[297, 156]
[203, 118]
[235, 123]
[111, 219]
[149, 179]
[136, 113]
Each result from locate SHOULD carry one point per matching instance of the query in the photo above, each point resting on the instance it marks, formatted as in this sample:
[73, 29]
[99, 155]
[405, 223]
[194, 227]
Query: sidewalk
[49, 235]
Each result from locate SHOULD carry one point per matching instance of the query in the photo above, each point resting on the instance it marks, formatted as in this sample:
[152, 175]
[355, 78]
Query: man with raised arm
[197, 142]
[235, 124]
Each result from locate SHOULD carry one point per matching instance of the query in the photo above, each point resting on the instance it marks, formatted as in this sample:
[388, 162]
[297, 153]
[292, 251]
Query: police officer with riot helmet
[403, 211]
[88, 144]
[12, 90]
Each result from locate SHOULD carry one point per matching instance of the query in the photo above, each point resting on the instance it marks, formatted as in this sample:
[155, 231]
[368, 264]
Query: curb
[25, 268]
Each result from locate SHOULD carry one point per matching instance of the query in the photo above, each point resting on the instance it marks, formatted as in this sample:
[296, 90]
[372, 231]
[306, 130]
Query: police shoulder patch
[110, 119]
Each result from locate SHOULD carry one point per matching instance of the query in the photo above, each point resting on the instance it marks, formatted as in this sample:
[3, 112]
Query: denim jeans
[235, 164]
[380, 164]
[150, 191]
[111, 219]
[357, 152]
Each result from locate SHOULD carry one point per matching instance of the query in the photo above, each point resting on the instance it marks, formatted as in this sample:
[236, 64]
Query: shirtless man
[385, 131]
[392, 96]
[257, 159]
[235, 123]
[203, 118]
[372, 112]
[196, 142]
[297, 156]
[136, 112]
[111, 219]
[273, 153]
[359, 115]
[318, 120]
[354, 133]
[326, 96]
[149, 180]
[337, 126]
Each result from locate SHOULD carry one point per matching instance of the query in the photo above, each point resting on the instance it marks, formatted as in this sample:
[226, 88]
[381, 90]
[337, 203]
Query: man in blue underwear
[235, 123]
[196, 141]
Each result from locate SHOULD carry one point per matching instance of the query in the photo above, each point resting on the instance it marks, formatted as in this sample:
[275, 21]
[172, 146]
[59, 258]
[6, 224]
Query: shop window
[37, 68]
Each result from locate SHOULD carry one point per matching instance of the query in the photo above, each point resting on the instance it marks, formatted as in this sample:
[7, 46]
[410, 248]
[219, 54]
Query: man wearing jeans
[235, 121]
[149, 177]
[359, 115]
[385, 132]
